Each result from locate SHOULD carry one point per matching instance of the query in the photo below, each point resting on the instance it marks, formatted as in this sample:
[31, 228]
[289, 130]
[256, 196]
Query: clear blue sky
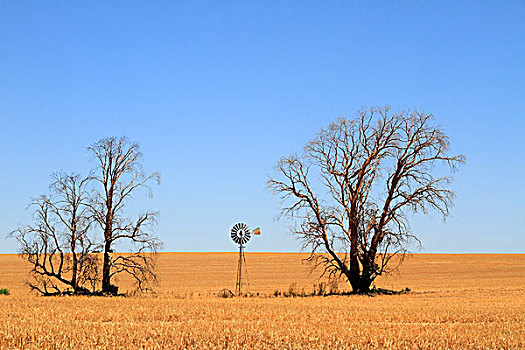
[217, 92]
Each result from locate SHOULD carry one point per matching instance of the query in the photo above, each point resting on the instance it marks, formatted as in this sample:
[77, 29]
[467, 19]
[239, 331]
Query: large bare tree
[120, 175]
[356, 185]
[59, 245]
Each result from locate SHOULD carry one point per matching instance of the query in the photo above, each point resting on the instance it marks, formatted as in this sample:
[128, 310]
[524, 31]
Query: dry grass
[458, 301]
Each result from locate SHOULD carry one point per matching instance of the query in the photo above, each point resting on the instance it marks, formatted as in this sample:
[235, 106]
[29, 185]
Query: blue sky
[217, 92]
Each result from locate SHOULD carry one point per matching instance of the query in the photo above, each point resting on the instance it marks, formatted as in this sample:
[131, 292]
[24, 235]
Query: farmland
[457, 301]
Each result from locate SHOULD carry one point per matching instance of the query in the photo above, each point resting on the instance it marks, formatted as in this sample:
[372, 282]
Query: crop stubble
[458, 301]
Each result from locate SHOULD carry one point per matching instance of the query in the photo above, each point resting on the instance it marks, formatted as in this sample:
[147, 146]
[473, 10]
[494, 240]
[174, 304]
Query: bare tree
[120, 174]
[58, 245]
[356, 185]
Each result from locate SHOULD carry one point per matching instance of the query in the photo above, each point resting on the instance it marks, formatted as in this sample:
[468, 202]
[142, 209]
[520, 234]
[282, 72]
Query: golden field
[457, 302]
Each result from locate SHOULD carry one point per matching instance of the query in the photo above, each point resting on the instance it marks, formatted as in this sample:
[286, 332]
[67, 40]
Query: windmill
[240, 234]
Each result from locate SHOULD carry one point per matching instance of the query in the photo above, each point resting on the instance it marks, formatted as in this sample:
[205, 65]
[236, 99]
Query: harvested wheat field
[456, 302]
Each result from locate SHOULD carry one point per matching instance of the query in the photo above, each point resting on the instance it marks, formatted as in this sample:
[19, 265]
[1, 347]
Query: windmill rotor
[240, 233]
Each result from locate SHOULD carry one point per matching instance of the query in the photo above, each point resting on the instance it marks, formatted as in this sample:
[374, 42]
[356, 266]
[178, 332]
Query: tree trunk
[366, 274]
[364, 282]
[108, 233]
[74, 276]
[106, 283]
[360, 277]
[355, 271]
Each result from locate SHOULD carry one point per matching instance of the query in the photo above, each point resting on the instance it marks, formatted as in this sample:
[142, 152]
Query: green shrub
[4, 291]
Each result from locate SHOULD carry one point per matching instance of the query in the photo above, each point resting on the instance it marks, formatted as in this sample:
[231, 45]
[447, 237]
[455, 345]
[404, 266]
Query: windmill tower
[240, 234]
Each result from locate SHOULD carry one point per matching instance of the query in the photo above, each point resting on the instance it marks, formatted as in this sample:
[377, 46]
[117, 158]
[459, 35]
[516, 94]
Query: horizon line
[299, 252]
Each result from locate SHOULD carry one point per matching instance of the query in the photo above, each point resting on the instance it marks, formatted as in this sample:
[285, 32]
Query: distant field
[457, 301]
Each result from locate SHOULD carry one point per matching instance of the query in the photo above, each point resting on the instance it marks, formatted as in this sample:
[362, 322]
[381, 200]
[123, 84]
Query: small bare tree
[58, 245]
[356, 185]
[120, 174]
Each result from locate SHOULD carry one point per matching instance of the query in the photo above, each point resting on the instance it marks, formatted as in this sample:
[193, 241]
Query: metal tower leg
[238, 283]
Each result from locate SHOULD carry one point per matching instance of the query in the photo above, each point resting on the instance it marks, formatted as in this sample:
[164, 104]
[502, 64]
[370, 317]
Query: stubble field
[457, 302]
